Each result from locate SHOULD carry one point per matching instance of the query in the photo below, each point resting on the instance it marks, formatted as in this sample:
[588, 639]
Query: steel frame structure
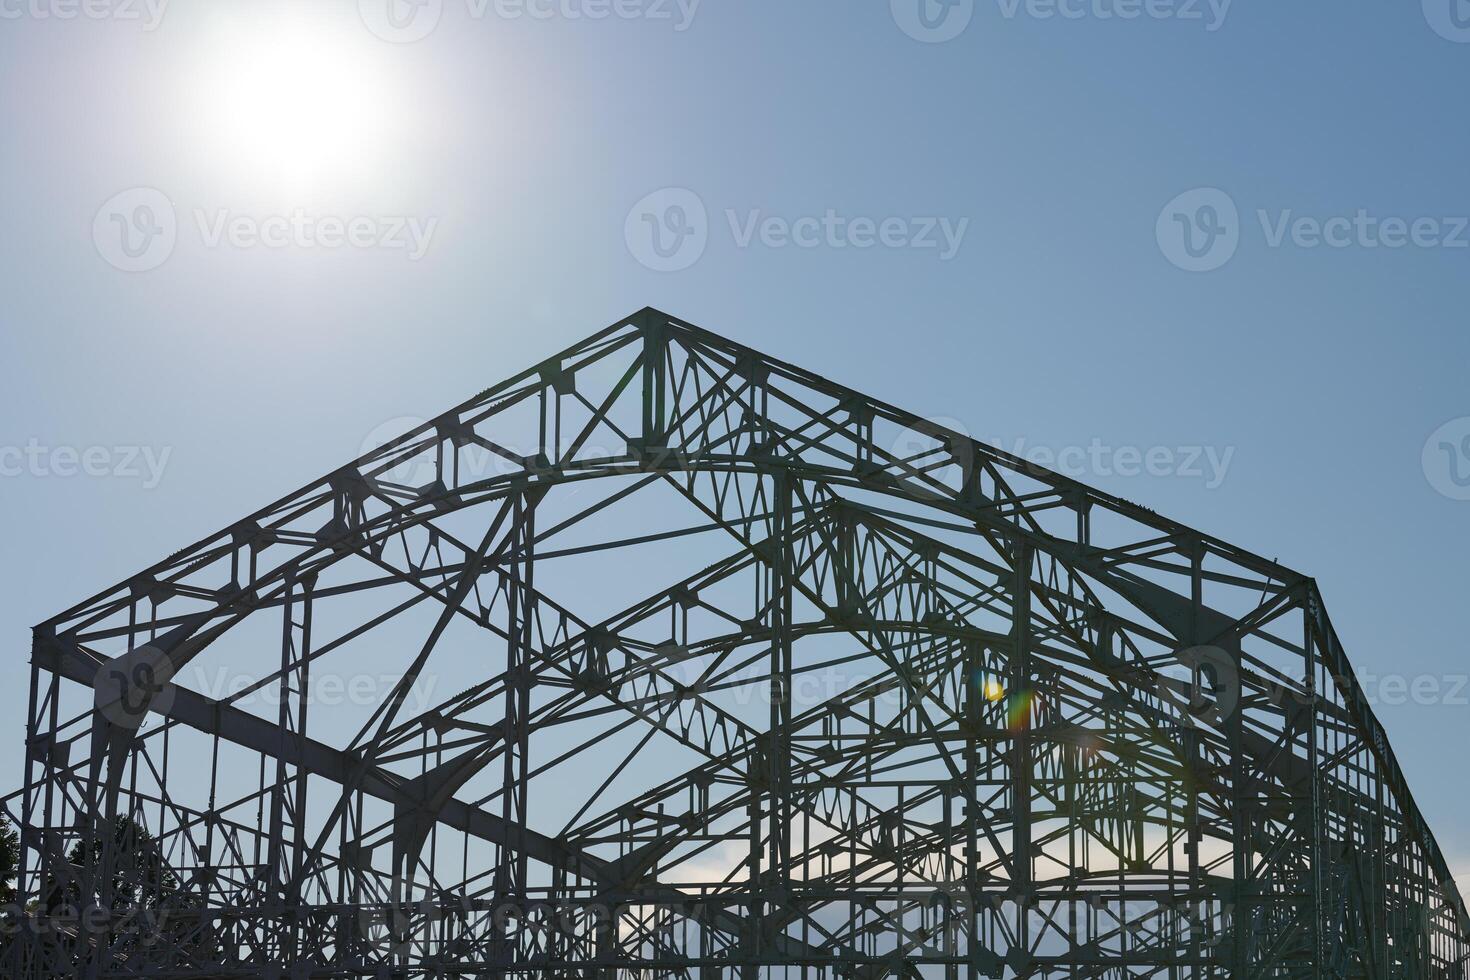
[754, 676]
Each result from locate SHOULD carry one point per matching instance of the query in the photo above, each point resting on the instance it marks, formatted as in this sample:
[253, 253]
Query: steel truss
[734, 672]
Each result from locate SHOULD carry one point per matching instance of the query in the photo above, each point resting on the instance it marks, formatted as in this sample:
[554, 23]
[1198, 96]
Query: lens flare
[1018, 710]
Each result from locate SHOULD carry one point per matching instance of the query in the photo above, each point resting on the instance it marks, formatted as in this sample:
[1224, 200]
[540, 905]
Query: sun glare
[295, 105]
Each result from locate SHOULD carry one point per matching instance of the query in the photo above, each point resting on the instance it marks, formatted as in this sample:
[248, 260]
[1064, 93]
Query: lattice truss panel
[667, 659]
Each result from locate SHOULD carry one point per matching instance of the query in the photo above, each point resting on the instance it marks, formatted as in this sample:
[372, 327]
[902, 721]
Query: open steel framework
[668, 659]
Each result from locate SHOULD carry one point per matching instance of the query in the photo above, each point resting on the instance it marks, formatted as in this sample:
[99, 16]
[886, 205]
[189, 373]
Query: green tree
[140, 877]
[9, 861]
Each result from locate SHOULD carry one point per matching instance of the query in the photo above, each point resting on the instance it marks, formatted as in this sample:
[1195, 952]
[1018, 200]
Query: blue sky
[333, 227]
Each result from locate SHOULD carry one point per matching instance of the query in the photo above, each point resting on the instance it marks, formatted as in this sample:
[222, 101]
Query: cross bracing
[666, 658]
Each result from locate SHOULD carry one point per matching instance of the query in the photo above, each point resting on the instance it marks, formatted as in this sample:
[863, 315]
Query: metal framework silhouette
[668, 659]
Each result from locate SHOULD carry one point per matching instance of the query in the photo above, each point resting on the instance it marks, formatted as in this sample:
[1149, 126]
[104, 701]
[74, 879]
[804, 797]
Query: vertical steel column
[655, 412]
[1309, 647]
[779, 598]
[1242, 912]
[520, 611]
[30, 845]
[1194, 836]
[972, 704]
[1023, 701]
[287, 843]
[782, 571]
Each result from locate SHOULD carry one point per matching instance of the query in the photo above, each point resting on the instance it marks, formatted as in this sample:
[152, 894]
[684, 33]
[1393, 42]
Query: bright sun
[295, 105]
